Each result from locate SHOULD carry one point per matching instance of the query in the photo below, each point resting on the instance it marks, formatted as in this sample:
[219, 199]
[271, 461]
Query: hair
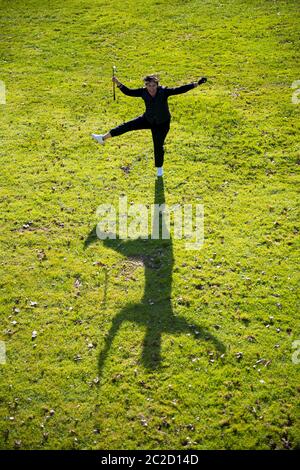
[151, 78]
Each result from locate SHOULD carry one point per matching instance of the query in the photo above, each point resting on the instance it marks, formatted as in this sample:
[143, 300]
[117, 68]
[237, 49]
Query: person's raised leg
[132, 125]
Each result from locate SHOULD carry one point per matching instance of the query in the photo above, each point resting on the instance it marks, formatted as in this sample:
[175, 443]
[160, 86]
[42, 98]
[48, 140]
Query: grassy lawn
[142, 344]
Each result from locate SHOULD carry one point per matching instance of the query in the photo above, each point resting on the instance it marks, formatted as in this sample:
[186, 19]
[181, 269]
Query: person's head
[151, 83]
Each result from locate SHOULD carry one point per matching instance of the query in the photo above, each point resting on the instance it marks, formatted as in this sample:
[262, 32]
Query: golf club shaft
[114, 85]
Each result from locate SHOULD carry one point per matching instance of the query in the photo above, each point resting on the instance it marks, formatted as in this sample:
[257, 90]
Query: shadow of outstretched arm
[179, 325]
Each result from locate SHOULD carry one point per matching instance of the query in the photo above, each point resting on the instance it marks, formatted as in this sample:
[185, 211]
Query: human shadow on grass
[154, 312]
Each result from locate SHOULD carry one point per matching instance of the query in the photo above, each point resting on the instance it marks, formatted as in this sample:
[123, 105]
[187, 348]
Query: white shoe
[99, 138]
[160, 171]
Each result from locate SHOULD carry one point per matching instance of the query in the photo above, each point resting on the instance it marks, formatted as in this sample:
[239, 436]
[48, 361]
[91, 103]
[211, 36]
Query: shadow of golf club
[154, 312]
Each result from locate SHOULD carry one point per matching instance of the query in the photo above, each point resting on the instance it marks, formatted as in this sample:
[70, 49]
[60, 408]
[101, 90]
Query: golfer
[157, 116]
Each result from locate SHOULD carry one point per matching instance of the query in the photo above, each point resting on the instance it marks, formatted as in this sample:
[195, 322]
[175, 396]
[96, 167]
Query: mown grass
[143, 344]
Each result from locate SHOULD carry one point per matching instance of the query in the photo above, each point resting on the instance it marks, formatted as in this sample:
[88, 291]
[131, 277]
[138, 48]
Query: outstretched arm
[127, 91]
[184, 88]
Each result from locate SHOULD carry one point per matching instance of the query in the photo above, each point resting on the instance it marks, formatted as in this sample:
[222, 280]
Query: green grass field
[142, 344]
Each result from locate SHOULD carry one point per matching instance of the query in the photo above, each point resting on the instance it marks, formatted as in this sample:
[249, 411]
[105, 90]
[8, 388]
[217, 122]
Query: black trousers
[159, 134]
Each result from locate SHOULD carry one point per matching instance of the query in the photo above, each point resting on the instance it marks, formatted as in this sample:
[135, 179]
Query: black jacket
[157, 109]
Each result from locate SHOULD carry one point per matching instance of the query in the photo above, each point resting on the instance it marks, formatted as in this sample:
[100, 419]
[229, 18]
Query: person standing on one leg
[157, 116]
